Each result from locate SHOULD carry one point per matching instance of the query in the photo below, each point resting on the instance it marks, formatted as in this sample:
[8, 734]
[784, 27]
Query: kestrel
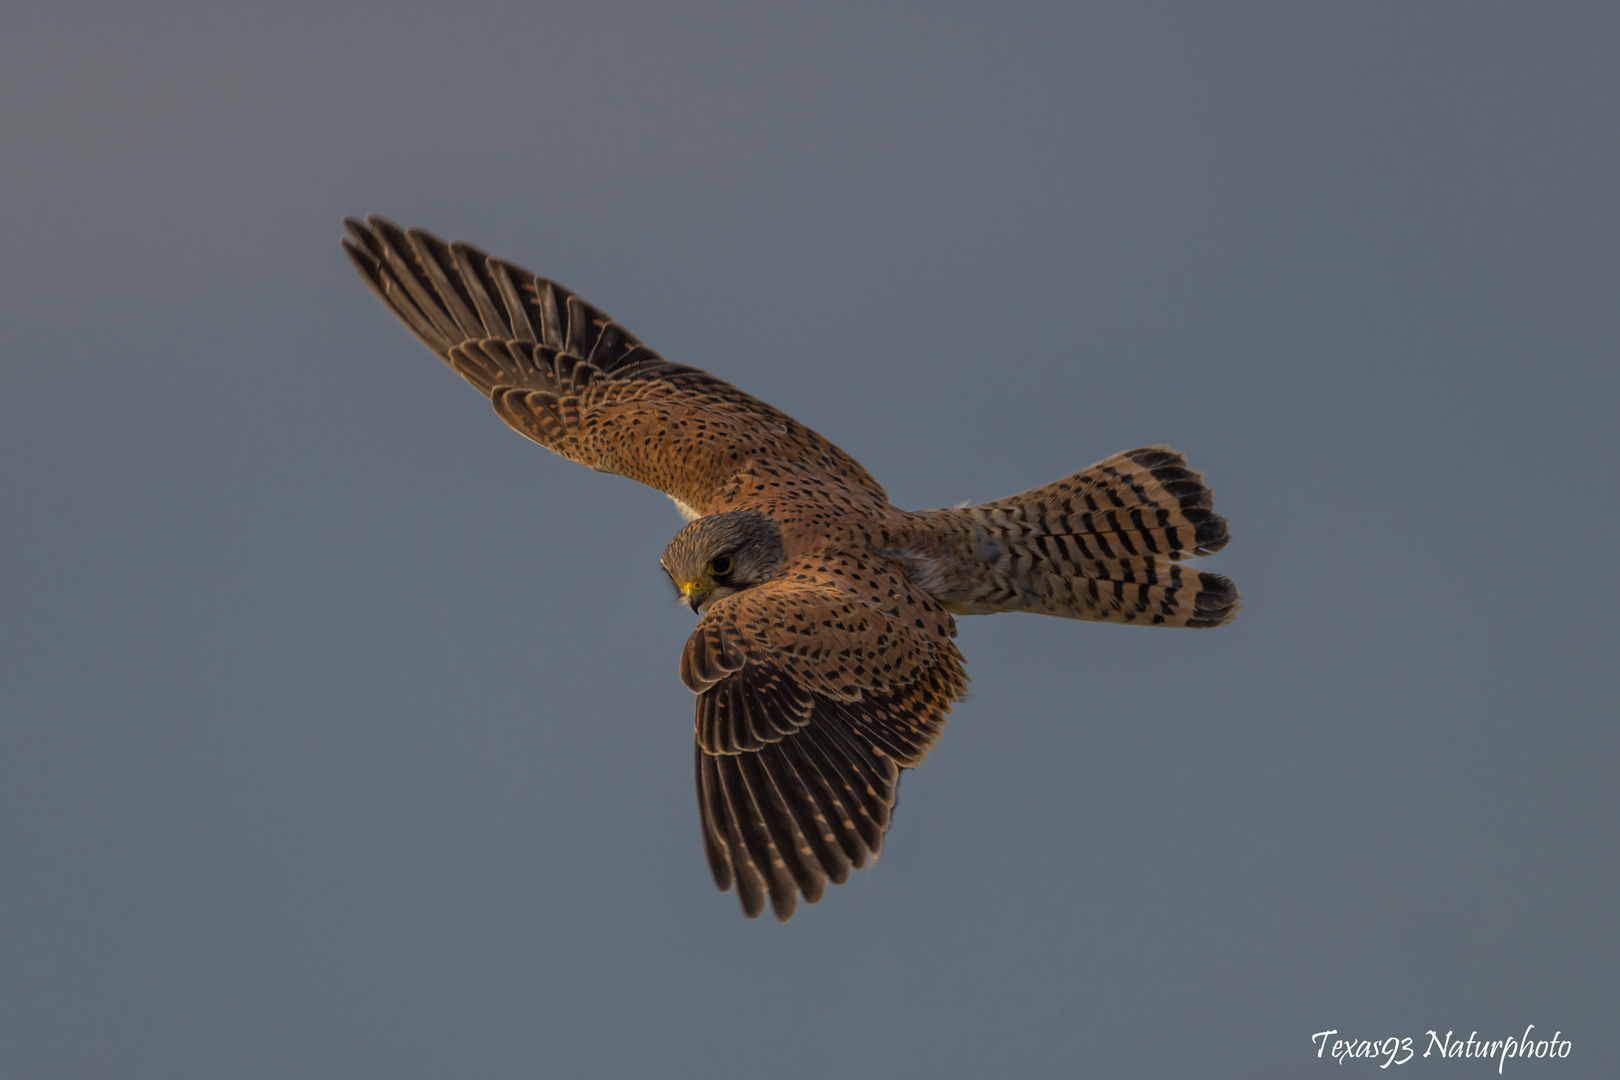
[824, 661]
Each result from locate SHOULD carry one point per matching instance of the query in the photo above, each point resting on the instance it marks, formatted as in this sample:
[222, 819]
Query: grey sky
[340, 731]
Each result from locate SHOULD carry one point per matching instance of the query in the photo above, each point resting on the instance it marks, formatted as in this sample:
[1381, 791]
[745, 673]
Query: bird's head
[718, 555]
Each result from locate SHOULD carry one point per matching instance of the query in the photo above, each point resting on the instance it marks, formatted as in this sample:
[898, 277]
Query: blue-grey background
[341, 729]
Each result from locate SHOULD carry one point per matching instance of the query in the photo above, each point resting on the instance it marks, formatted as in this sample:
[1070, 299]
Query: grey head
[718, 555]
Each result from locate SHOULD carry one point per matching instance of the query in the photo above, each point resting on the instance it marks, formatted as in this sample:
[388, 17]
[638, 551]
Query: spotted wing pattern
[814, 691]
[815, 688]
[564, 374]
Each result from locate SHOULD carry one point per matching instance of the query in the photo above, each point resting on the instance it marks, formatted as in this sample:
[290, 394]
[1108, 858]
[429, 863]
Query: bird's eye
[721, 566]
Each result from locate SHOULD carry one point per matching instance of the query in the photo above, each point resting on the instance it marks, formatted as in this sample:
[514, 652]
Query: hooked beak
[694, 592]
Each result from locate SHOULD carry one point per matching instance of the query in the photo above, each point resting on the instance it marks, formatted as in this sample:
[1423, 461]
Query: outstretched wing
[814, 690]
[567, 376]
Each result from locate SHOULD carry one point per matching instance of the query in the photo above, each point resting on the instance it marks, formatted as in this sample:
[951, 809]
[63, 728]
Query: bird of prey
[824, 660]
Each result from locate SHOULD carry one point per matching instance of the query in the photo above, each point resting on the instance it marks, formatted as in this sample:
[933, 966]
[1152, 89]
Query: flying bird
[824, 661]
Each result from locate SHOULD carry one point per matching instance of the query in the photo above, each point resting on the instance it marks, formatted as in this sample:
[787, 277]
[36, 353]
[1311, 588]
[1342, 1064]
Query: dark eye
[721, 566]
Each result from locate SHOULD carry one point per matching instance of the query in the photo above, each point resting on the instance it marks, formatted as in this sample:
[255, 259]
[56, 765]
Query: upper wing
[814, 690]
[564, 374]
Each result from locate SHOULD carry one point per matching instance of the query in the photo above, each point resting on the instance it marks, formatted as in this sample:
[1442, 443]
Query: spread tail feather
[1105, 544]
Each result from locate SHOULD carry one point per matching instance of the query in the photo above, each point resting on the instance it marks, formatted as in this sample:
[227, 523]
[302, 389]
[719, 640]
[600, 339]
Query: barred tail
[1105, 544]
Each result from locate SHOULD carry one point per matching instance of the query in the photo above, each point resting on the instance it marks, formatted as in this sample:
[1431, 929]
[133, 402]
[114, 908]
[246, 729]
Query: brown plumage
[824, 662]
